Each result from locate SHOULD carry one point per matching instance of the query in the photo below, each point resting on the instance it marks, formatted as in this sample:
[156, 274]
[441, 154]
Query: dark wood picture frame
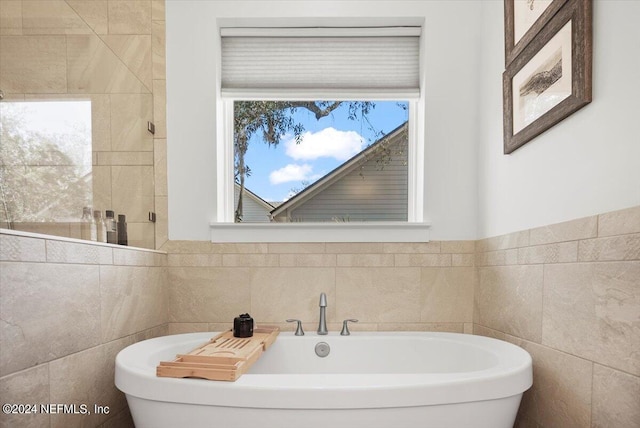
[513, 49]
[579, 12]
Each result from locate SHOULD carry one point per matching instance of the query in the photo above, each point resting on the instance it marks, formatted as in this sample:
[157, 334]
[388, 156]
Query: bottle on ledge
[122, 230]
[88, 229]
[100, 226]
[111, 227]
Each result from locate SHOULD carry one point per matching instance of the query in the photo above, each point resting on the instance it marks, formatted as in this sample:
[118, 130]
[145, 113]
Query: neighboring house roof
[255, 197]
[255, 209]
[335, 175]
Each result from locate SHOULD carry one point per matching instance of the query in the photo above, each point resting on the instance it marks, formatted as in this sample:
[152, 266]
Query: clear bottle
[101, 228]
[111, 227]
[88, 225]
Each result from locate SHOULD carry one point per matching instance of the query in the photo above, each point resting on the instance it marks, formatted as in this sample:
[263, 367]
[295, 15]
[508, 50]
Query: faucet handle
[299, 330]
[345, 328]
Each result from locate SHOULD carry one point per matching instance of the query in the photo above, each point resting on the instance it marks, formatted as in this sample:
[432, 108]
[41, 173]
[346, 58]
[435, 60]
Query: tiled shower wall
[66, 309]
[112, 53]
[569, 294]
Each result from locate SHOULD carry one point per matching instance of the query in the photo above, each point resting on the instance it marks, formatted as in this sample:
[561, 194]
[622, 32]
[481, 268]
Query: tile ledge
[11, 232]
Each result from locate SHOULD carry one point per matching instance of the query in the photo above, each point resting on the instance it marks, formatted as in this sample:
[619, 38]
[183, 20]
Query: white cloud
[291, 172]
[328, 142]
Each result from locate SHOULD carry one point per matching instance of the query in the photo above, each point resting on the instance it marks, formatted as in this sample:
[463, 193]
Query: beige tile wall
[569, 294]
[111, 52]
[67, 308]
[566, 293]
[385, 286]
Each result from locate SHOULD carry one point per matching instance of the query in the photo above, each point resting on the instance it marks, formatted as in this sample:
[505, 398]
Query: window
[344, 67]
[320, 161]
[45, 162]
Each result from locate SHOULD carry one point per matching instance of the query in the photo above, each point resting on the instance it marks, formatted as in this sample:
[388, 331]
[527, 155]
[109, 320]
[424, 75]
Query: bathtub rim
[511, 376]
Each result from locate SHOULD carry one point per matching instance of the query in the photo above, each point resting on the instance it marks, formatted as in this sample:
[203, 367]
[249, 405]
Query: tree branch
[316, 109]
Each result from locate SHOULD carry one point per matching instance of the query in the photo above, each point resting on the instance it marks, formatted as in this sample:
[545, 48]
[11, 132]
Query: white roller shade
[370, 61]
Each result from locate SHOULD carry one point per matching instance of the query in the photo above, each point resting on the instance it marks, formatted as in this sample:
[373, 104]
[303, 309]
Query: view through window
[320, 161]
[45, 161]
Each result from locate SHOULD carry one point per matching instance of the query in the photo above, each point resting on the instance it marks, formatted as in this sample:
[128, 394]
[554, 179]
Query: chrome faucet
[299, 330]
[345, 327]
[322, 325]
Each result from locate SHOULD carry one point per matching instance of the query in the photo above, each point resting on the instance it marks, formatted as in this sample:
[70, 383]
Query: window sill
[320, 232]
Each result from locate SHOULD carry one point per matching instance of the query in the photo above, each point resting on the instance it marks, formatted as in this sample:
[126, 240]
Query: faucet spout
[322, 325]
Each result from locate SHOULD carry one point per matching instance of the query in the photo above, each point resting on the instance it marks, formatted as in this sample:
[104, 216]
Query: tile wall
[66, 309]
[112, 53]
[385, 286]
[569, 294]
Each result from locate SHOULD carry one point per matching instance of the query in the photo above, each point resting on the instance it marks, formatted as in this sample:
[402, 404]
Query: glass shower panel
[45, 165]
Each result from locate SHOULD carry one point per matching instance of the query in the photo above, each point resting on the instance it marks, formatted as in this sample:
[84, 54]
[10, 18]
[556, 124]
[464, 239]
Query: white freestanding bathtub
[373, 379]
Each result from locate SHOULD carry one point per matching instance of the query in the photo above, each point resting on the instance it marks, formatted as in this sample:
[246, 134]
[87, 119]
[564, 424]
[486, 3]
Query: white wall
[587, 164]
[451, 89]
[191, 117]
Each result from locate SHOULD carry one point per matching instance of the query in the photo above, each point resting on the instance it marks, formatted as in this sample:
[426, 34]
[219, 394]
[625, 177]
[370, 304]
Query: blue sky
[326, 144]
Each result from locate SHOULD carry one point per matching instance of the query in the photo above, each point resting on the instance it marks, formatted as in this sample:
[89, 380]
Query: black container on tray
[243, 326]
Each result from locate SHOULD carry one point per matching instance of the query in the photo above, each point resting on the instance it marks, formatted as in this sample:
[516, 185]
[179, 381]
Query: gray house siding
[253, 211]
[374, 191]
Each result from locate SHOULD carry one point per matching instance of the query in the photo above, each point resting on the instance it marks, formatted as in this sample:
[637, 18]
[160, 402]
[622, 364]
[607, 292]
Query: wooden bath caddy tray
[222, 358]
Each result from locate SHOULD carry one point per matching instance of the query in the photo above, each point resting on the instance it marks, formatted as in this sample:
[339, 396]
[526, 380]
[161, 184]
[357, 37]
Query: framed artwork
[551, 78]
[523, 19]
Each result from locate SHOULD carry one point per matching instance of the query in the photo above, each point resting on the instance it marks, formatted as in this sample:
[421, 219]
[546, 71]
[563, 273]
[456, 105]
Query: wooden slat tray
[224, 357]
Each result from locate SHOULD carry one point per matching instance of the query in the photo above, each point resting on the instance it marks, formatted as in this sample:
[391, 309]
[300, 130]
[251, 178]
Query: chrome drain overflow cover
[322, 349]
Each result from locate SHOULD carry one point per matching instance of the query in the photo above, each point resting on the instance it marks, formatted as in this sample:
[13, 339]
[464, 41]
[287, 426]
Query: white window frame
[224, 229]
